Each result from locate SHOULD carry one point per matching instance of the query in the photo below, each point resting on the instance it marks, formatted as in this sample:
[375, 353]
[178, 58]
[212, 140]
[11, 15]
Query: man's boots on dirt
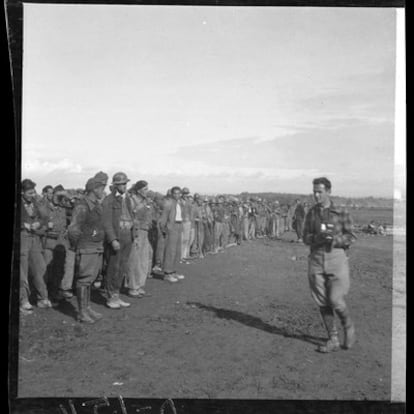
[83, 315]
[95, 315]
[328, 318]
[349, 328]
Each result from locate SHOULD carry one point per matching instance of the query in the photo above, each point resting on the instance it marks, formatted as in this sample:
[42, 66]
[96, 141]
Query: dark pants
[199, 238]
[208, 237]
[172, 252]
[159, 254]
[299, 225]
[32, 261]
[89, 264]
[117, 262]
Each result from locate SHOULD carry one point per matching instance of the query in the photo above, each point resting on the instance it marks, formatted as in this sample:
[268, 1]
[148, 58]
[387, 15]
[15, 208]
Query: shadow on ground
[255, 322]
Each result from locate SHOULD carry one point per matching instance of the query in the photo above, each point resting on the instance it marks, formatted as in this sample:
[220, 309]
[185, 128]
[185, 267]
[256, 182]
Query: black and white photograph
[210, 206]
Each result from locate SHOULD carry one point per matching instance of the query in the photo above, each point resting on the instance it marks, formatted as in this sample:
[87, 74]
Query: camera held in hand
[327, 233]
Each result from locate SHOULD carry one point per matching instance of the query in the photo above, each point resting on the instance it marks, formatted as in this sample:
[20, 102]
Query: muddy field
[241, 325]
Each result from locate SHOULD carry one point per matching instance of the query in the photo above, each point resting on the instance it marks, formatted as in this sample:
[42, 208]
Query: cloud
[37, 166]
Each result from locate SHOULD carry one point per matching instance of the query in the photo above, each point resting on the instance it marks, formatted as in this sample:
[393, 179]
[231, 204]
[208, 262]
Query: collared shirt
[125, 214]
[178, 215]
[29, 206]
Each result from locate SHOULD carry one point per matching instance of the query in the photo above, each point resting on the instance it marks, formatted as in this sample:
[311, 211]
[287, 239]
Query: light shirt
[125, 215]
[178, 216]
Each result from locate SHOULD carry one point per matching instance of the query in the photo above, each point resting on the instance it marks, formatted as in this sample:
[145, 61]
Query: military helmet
[120, 178]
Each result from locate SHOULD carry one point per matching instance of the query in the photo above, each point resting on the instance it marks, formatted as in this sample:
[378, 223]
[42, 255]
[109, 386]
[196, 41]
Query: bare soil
[241, 325]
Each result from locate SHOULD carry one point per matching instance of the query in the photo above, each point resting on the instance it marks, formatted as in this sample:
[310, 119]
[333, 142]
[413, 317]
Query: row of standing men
[119, 240]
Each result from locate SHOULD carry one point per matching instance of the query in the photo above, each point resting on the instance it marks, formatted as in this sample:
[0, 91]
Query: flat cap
[28, 184]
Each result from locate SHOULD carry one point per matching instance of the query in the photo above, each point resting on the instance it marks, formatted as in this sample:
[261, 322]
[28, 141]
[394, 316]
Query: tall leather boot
[348, 325]
[328, 318]
[83, 315]
[95, 315]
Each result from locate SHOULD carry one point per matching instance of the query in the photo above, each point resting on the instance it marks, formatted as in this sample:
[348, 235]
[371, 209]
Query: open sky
[218, 99]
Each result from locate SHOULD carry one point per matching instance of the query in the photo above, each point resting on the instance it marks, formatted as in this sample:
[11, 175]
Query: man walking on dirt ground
[118, 223]
[328, 232]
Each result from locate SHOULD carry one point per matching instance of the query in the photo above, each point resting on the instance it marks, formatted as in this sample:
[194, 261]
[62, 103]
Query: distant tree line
[361, 202]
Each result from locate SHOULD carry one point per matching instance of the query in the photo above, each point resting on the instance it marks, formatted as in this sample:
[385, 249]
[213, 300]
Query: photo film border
[14, 21]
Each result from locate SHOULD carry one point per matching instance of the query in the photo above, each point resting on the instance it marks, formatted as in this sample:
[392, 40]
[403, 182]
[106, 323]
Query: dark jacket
[86, 230]
[112, 209]
[169, 213]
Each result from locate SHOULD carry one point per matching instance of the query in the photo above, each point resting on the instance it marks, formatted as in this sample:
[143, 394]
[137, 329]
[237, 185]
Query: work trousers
[218, 235]
[60, 262]
[159, 254]
[252, 228]
[245, 228]
[32, 261]
[198, 245]
[140, 261]
[191, 244]
[208, 244]
[299, 226]
[117, 262]
[88, 265]
[185, 239]
[173, 243]
[226, 233]
[328, 274]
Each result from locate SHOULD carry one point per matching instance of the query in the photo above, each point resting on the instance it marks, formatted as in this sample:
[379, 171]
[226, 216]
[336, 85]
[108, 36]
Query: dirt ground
[241, 325]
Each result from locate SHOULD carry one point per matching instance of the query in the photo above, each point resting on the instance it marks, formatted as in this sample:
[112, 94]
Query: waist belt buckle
[125, 225]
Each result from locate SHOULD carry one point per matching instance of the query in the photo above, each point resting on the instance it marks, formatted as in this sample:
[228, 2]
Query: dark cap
[93, 183]
[59, 187]
[28, 184]
[46, 188]
[139, 185]
[101, 177]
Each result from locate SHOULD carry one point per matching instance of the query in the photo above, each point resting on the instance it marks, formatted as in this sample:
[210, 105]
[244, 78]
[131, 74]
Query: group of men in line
[70, 241]
[81, 239]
